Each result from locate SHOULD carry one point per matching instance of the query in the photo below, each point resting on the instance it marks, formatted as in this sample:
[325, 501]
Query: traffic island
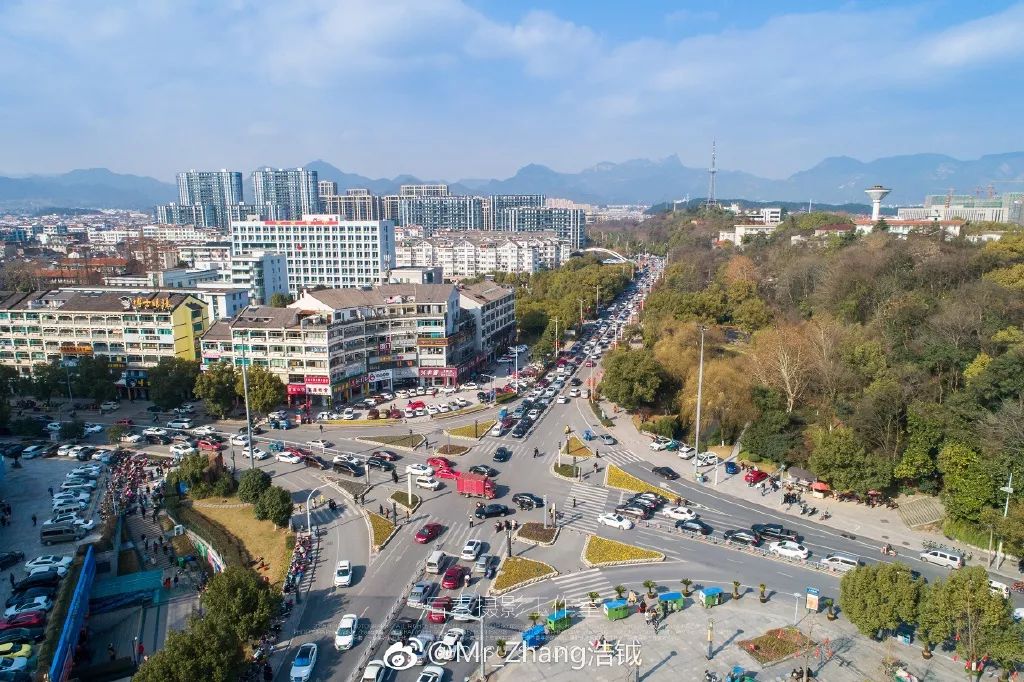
[614, 477]
[776, 645]
[381, 530]
[533, 533]
[567, 472]
[515, 572]
[574, 447]
[454, 450]
[460, 413]
[409, 441]
[600, 551]
[401, 498]
[474, 431]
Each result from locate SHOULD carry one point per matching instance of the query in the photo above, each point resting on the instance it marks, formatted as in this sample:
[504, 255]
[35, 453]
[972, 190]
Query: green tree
[880, 597]
[239, 600]
[252, 484]
[49, 379]
[266, 391]
[1001, 379]
[94, 378]
[28, 428]
[172, 382]
[772, 434]
[925, 432]
[280, 300]
[964, 609]
[842, 461]
[632, 378]
[72, 430]
[9, 380]
[205, 650]
[968, 481]
[192, 470]
[216, 388]
[115, 432]
[274, 504]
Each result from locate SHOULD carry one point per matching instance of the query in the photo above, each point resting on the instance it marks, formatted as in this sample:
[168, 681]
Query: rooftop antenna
[712, 202]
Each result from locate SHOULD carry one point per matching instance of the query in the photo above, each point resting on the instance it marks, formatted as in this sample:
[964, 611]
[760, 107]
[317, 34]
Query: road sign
[812, 599]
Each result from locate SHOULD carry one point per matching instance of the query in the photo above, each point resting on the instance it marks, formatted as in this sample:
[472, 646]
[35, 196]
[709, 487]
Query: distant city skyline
[455, 89]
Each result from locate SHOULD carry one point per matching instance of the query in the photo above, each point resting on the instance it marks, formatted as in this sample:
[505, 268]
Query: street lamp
[1008, 489]
[245, 391]
[700, 389]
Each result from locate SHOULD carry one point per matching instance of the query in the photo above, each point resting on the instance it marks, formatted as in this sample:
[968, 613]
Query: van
[943, 557]
[59, 532]
[1002, 589]
[840, 562]
[68, 507]
[435, 562]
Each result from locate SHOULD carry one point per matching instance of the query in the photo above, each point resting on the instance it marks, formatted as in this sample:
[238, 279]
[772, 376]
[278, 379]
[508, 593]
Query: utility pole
[248, 417]
[700, 390]
[597, 308]
[556, 338]
[581, 314]
[1008, 489]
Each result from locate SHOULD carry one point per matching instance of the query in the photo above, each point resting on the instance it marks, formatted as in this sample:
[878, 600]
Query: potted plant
[650, 585]
[534, 617]
[926, 650]
[593, 598]
[762, 597]
[830, 609]
[619, 591]
[501, 647]
[735, 589]
[686, 586]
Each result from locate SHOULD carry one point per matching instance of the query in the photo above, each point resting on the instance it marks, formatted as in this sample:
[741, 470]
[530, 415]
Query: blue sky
[471, 88]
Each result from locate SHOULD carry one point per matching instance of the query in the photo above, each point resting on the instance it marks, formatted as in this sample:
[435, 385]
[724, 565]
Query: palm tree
[534, 617]
[619, 591]
[558, 604]
[735, 589]
[650, 585]
[830, 609]
[762, 597]
[593, 598]
[686, 586]
[501, 647]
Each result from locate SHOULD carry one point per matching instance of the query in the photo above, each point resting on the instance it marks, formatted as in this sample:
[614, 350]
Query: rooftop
[91, 301]
[384, 294]
[485, 292]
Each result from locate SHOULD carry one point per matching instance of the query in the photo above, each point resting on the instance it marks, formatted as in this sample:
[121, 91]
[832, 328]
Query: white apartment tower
[285, 194]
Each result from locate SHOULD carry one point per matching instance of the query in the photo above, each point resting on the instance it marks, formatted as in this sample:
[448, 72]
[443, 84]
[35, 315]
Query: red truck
[475, 485]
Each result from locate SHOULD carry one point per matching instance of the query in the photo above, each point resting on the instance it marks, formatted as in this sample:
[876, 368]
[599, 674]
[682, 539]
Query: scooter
[825, 515]
[888, 550]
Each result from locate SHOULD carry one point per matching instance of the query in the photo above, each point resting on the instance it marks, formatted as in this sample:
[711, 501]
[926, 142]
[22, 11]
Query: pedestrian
[140, 652]
[470, 520]
[407, 516]
[33, 519]
[380, 508]
[597, 453]
[595, 467]
[11, 576]
[321, 428]
[111, 652]
[574, 503]
[175, 579]
[51, 491]
[465, 579]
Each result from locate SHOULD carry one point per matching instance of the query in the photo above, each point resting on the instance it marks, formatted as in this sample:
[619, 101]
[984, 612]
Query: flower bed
[574, 447]
[536, 534]
[600, 551]
[407, 441]
[776, 645]
[615, 477]
[517, 572]
[472, 431]
[566, 471]
[401, 498]
[451, 450]
[381, 530]
[361, 422]
[460, 413]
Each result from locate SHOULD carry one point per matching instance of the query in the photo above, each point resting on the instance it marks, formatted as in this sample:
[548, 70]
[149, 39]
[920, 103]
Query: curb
[564, 478]
[626, 562]
[536, 543]
[532, 581]
[409, 509]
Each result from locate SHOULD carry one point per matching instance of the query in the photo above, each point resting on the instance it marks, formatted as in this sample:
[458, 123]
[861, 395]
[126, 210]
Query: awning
[820, 486]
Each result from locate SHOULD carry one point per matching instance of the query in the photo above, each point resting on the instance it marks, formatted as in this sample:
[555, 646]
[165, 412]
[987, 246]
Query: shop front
[438, 376]
[380, 381]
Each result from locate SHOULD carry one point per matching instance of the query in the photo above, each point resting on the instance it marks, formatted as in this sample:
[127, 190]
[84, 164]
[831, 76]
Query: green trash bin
[181, 562]
[616, 609]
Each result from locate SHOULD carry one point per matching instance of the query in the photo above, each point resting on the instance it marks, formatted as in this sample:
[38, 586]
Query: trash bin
[181, 562]
[559, 620]
[616, 609]
[673, 601]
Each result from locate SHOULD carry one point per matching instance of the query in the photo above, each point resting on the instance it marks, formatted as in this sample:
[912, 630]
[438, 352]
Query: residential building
[186, 214]
[132, 332]
[416, 275]
[327, 188]
[210, 254]
[1007, 208]
[569, 224]
[224, 302]
[738, 233]
[493, 308]
[285, 194]
[423, 190]
[474, 253]
[902, 228]
[322, 250]
[497, 220]
[263, 274]
[100, 235]
[354, 204]
[435, 213]
[170, 278]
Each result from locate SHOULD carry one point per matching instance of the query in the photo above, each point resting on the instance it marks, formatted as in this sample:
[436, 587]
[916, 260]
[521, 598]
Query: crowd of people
[133, 486]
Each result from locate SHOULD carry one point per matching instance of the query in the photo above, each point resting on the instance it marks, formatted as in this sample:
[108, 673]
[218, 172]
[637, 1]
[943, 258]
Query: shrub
[599, 551]
[381, 529]
[274, 504]
[617, 478]
[28, 428]
[252, 485]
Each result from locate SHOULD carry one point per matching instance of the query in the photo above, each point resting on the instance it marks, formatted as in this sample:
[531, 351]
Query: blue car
[732, 468]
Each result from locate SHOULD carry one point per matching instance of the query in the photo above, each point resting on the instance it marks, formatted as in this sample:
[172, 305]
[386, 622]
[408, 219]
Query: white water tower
[877, 193]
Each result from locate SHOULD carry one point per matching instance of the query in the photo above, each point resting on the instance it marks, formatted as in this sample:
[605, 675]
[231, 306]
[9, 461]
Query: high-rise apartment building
[327, 188]
[354, 204]
[205, 199]
[434, 190]
[500, 202]
[285, 194]
[322, 250]
[569, 224]
[263, 274]
[434, 213]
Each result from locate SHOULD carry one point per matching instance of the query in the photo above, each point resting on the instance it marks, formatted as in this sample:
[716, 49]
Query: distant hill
[85, 188]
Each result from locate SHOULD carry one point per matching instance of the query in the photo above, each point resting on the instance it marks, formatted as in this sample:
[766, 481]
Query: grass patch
[380, 528]
[574, 447]
[776, 645]
[405, 441]
[537, 532]
[230, 549]
[256, 538]
[472, 430]
[128, 562]
[517, 570]
[599, 413]
[402, 498]
[468, 410]
[600, 551]
[452, 450]
[968, 533]
[617, 478]
[567, 470]
[361, 422]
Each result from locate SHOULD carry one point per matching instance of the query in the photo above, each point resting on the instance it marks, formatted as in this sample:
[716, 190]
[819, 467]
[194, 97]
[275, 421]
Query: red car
[298, 452]
[453, 577]
[439, 609]
[446, 472]
[125, 422]
[589, 363]
[29, 619]
[755, 476]
[428, 532]
[386, 455]
[210, 445]
[440, 463]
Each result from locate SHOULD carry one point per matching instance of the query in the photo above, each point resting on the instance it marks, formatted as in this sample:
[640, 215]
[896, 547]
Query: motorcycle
[888, 550]
[825, 515]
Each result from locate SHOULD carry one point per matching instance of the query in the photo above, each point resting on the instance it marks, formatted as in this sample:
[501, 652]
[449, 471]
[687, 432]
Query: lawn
[476, 430]
[259, 538]
[776, 645]
[411, 441]
[532, 530]
[567, 470]
[575, 448]
[617, 478]
[517, 570]
[381, 529]
[402, 498]
[599, 551]
[452, 450]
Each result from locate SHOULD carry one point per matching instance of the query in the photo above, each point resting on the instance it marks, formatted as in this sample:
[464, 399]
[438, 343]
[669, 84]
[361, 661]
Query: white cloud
[977, 42]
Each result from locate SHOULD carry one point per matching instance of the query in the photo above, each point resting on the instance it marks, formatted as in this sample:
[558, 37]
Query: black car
[651, 498]
[634, 510]
[316, 461]
[483, 470]
[502, 455]
[775, 531]
[694, 526]
[403, 629]
[31, 592]
[348, 468]
[521, 428]
[645, 502]
[527, 501]
[378, 463]
[155, 439]
[481, 396]
[48, 578]
[8, 559]
[665, 472]
[22, 636]
[743, 537]
[488, 511]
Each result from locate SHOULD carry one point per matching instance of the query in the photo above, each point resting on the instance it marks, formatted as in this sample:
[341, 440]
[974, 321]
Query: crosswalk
[620, 456]
[575, 588]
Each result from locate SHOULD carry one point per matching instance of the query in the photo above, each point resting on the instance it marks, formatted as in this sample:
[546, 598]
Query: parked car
[472, 549]
[790, 549]
[615, 521]
[304, 662]
[694, 526]
[755, 476]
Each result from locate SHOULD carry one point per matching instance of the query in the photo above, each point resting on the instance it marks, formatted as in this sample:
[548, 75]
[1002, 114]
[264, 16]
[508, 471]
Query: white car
[9, 664]
[48, 561]
[472, 549]
[61, 570]
[278, 415]
[327, 416]
[346, 457]
[305, 661]
[131, 438]
[318, 443]
[288, 457]
[241, 439]
[433, 409]
[29, 604]
[448, 390]
[615, 521]
[680, 513]
[89, 470]
[93, 428]
[254, 453]
[73, 495]
[428, 482]
[375, 671]
[432, 673]
[53, 427]
[204, 430]
[401, 393]
[154, 431]
[105, 456]
[349, 414]
[462, 402]
[408, 414]
[78, 484]
[788, 548]
[179, 424]
[66, 450]
[470, 385]
[707, 459]
[110, 405]
[84, 524]
[343, 574]
[562, 399]
[421, 390]
[182, 449]
[444, 408]
[659, 443]
[533, 414]
[417, 469]
[446, 648]
[421, 412]
[686, 452]
[345, 635]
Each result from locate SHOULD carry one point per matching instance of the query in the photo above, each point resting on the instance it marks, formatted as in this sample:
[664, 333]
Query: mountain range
[836, 180]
